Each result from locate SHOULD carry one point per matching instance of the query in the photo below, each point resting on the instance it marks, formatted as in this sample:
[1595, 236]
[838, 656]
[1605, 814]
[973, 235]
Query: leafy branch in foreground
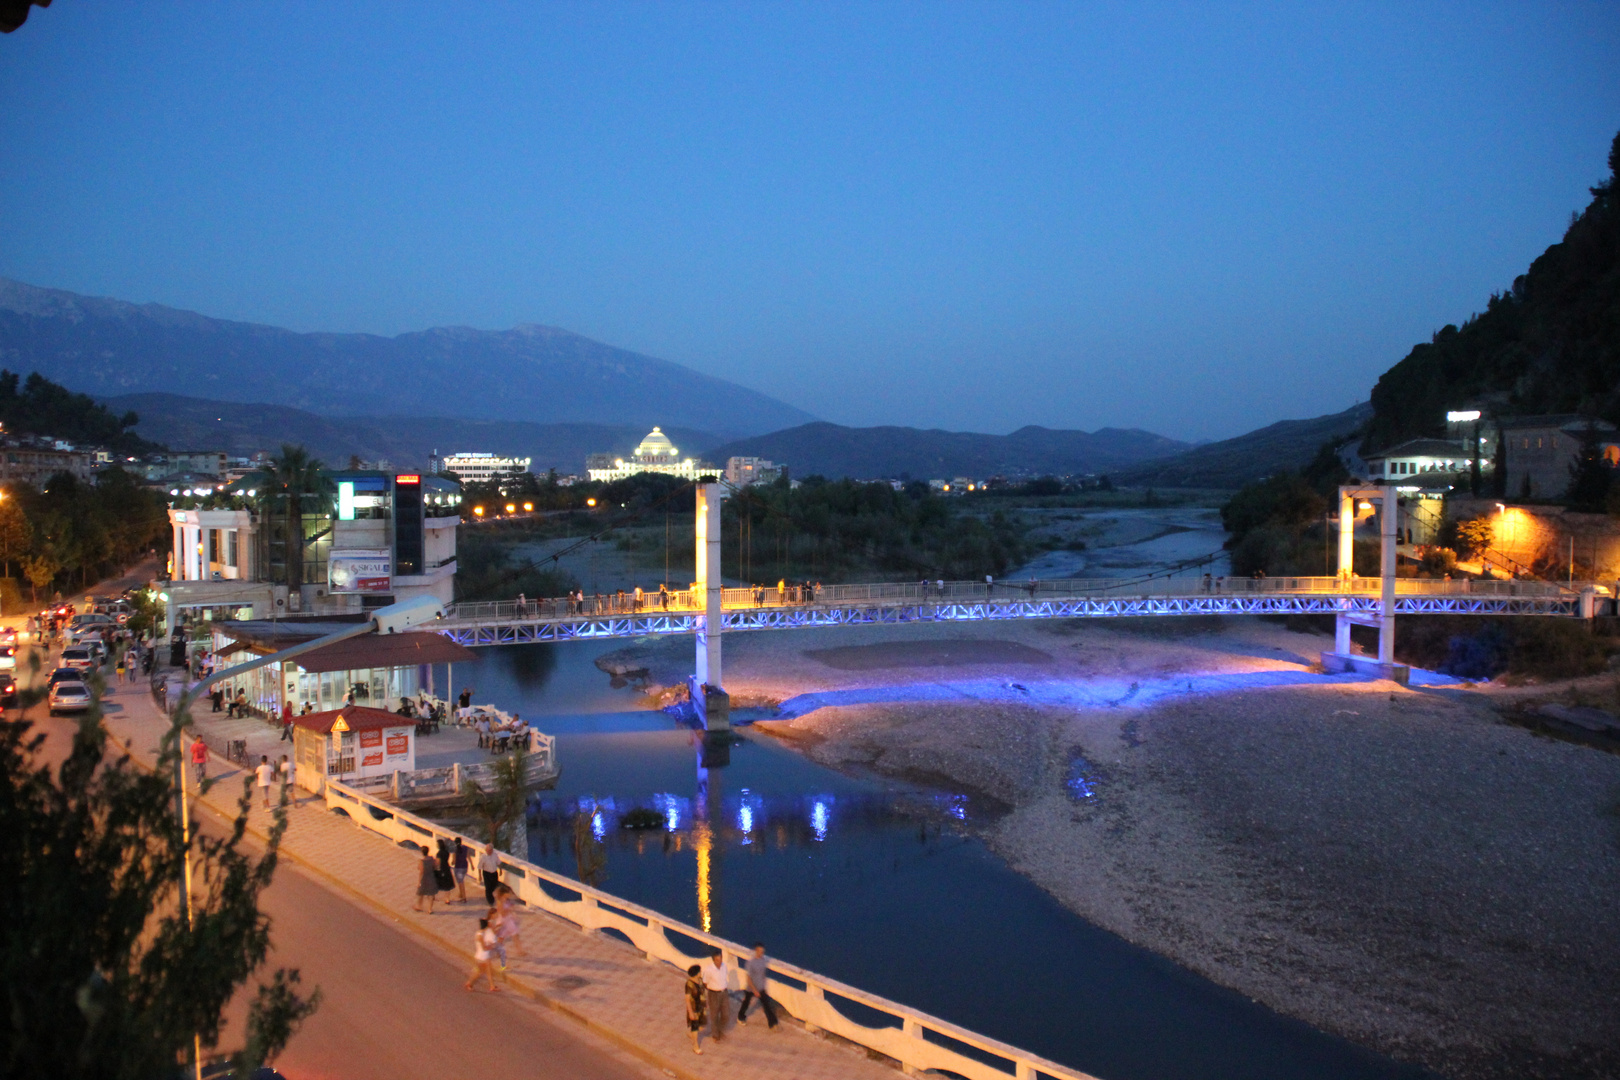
[103, 974]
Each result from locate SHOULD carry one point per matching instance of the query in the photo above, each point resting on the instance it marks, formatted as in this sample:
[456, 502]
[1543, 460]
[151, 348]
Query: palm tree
[294, 482]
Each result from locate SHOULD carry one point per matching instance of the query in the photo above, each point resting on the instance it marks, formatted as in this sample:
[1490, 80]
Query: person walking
[427, 881]
[286, 771]
[460, 863]
[505, 924]
[757, 969]
[120, 669]
[483, 956]
[489, 870]
[265, 772]
[717, 982]
[217, 696]
[696, 995]
[199, 759]
[442, 876]
[286, 721]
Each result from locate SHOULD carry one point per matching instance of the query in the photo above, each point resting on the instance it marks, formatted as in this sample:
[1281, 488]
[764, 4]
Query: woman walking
[427, 884]
[460, 863]
[483, 950]
[696, 997]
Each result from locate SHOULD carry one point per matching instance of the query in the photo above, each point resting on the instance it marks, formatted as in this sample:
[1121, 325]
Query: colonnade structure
[710, 608]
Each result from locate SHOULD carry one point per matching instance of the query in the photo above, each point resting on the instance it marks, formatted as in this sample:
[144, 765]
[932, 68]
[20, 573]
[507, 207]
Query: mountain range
[535, 374]
[1231, 463]
[875, 452]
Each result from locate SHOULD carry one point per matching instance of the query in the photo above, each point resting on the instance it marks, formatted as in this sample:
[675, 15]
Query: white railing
[840, 596]
[913, 1039]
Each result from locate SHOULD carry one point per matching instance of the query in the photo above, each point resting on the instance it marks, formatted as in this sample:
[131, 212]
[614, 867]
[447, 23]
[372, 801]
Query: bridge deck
[508, 622]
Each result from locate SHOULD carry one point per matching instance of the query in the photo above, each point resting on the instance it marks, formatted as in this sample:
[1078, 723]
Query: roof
[368, 651]
[1558, 421]
[358, 717]
[1441, 448]
[656, 444]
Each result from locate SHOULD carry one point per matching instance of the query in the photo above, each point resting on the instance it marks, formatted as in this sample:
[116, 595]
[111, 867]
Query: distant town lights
[478, 510]
[1462, 416]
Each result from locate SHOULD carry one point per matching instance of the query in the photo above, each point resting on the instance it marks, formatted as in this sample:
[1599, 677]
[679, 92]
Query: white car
[69, 697]
[8, 657]
[78, 656]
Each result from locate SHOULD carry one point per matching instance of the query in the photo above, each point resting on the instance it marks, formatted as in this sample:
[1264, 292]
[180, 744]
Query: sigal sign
[359, 570]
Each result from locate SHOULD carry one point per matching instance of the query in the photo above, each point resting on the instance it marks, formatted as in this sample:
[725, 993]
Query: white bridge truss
[496, 627]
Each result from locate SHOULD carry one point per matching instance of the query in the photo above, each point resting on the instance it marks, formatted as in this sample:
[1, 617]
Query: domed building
[655, 454]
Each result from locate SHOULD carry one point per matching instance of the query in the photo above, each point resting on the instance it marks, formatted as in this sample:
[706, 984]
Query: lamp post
[387, 620]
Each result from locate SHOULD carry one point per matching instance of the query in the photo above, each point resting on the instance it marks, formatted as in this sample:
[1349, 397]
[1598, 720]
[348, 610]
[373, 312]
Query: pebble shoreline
[1401, 867]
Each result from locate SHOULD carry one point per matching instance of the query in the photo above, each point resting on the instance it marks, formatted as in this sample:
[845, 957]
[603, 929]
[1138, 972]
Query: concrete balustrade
[914, 1040]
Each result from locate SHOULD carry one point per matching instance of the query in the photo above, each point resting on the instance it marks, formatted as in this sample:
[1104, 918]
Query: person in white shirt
[266, 773]
[717, 981]
[489, 868]
[286, 771]
[483, 957]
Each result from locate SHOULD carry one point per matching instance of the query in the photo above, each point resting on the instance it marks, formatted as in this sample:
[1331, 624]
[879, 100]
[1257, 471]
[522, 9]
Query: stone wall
[1540, 536]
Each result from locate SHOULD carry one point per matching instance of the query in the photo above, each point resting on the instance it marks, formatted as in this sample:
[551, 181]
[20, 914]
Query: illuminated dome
[656, 444]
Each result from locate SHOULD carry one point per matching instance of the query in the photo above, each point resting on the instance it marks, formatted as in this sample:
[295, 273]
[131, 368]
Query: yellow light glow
[702, 838]
[511, 508]
[528, 506]
[1365, 505]
[479, 510]
[590, 502]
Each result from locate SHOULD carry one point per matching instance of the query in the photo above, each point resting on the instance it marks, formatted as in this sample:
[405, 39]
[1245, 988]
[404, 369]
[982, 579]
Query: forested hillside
[1551, 343]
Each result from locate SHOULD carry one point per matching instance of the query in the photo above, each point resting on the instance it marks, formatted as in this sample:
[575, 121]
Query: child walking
[483, 951]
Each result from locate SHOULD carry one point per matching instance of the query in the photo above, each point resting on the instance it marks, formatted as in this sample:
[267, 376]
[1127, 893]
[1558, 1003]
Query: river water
[875, 884]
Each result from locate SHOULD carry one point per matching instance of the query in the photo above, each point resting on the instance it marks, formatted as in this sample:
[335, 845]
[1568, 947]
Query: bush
[1438, 560]
[1484, 647]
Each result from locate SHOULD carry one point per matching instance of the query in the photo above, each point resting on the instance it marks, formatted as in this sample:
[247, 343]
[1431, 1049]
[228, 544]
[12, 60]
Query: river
[876, 884]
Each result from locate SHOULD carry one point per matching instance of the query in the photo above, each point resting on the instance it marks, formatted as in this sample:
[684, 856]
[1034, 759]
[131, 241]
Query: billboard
[357, 570]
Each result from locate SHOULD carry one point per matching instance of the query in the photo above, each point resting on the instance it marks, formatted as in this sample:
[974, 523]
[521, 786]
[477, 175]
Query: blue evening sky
[1193, 218]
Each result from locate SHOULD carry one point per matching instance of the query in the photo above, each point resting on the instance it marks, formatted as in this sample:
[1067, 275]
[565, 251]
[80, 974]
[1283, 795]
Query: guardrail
[915, 1040]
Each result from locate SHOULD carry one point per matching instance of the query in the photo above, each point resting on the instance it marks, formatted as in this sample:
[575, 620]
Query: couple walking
[708, 997]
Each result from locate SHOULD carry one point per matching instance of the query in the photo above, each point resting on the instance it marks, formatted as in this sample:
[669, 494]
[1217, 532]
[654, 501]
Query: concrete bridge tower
[709, 697]
[1342, 658]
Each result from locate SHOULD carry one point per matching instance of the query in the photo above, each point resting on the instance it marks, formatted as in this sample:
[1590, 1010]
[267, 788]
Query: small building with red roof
[353, 745]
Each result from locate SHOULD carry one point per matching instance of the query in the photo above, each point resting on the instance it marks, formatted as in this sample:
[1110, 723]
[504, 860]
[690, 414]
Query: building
[33, 461]
[351, 745]
[482, 468]
[1538, 452]
[1430, 463]
[388, 537]
[655, 454]
[743, 471]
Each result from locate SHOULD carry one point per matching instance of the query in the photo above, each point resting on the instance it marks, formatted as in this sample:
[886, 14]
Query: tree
[503, 802]
[1590, 474]
[15, 532]
[295, 483]
[104, 975]
[41, 570]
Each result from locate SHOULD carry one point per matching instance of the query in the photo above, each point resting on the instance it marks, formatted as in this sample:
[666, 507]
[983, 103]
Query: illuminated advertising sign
[359, 571]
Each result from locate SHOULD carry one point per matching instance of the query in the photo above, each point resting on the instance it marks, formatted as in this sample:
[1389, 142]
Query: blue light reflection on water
[879, 888]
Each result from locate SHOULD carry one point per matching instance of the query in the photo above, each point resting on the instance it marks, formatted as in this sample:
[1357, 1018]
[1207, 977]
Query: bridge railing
[956, 592]
[914, 1039]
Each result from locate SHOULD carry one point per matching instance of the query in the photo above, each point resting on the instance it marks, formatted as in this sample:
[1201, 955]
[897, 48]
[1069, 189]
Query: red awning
[358, 717]
[385, 651]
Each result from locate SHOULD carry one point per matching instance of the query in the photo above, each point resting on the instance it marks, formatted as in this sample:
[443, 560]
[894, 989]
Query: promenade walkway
[599, 981]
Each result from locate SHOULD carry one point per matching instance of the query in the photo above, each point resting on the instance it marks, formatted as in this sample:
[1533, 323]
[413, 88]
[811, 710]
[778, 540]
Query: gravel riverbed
[1400, 866]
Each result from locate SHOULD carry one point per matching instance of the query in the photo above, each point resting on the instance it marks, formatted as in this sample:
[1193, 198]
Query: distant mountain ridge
[886, 452]
[1231, 463]
[185, 423]
[537, 374]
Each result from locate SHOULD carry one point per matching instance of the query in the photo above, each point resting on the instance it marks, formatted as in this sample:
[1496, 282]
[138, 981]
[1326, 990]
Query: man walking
[265, 772]
[717, 981]
[286, 721]
[489, 868]
[758, 971]
[199, 759]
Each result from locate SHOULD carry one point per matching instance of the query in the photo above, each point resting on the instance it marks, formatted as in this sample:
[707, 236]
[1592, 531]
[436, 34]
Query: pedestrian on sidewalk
[266, 773]
[717, 981]
[506, 922]
[695, 994]
[120, 668]
[441, 873]
[489, 869]
[199, 759]
[758, 971]
[483, 953]
[286, 721]
[460, 863]
[427, 881]
[286, 771]
[217, 696]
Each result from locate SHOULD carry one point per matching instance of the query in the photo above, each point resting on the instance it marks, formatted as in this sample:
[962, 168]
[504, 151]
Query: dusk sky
[1190, 218]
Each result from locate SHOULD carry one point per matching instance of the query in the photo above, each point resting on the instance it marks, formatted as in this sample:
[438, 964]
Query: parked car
[8, 635]
[78, 656]
[8, 657]
[69, 697]
[65, 674]
[8, 692]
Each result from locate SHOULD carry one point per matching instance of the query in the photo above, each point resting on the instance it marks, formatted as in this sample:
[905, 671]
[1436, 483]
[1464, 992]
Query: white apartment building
[743, 471]
[482, 468]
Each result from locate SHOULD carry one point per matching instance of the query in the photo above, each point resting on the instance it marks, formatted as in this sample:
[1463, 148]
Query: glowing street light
[527, 507]
[478, 511]
[511, 508]
[590, 502]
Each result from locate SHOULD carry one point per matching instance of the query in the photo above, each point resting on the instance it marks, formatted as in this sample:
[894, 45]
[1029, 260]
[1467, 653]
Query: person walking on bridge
[717, 981]
[757, 968]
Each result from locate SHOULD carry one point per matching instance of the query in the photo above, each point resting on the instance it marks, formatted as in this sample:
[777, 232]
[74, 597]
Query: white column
[1347, 553]
[1389, 519]
[708, 584]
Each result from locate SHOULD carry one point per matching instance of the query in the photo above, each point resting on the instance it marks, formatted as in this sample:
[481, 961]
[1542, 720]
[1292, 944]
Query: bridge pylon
[1343, 658]
[709, 697]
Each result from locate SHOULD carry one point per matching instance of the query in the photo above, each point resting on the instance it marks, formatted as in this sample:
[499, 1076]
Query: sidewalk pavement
[596, 979]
